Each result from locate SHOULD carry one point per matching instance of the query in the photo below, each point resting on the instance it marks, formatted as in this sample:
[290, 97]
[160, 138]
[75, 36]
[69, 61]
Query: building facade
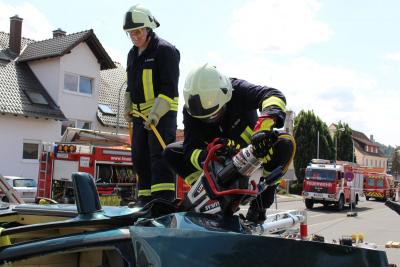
[68, 80]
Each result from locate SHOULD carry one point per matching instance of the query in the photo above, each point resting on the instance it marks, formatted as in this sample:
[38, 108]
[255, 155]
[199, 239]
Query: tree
[344, 142]
[306, 128]
[396, 163]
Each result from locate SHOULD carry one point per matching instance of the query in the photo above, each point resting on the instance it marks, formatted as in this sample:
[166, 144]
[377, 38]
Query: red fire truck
[106, 156]
[378, 185]
[330, 183]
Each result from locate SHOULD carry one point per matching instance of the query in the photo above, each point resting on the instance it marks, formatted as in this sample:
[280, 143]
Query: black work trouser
[283, 152]
[156, 179]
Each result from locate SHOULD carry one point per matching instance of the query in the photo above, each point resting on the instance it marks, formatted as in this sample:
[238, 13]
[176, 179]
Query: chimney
[59, 33]
[15, 34]
[371, 137]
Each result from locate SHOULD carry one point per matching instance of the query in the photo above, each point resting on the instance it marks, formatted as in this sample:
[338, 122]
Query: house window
[75, 124]
[66, 124]
[30, 149]
[106, 109]
[83, 124]
[77, 83]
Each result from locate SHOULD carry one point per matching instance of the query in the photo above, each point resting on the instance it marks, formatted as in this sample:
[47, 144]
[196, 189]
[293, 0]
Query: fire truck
[107, 157]
[331, 183]
[378, 185]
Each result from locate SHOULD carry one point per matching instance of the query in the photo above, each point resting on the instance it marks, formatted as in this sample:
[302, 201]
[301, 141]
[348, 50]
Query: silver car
[25, 187]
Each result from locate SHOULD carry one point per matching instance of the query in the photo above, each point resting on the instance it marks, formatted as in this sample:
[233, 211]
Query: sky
[339, 58]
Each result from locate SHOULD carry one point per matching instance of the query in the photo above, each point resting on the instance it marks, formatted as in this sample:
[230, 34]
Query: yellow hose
[153, 128]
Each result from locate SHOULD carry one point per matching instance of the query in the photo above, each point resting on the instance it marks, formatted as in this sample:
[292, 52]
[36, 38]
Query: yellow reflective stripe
[174, 104]
[194, 159]
[166, 98]
[273, 100]
[147, 79]
[146, 105]
[246, 134]
[192, 178]
[266, 125]
[144, 192]
[162, 187]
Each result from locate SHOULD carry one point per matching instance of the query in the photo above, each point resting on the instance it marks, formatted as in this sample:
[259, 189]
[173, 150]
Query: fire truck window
[320, 175]
[371, 181]
[379, 182]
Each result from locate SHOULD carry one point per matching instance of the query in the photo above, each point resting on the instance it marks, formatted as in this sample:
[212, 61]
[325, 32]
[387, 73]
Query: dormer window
[78, 83]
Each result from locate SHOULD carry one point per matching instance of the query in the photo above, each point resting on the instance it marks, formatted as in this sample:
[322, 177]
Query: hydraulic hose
[153, 128]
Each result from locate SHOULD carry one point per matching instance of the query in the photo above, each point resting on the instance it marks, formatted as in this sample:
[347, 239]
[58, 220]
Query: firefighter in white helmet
[152, 74]
[220, 107]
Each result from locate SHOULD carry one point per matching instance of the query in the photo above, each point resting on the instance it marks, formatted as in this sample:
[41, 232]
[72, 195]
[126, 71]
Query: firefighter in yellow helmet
[220, 107]
[152, 74]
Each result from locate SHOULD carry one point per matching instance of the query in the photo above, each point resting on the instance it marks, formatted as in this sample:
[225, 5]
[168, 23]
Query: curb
[281, 198]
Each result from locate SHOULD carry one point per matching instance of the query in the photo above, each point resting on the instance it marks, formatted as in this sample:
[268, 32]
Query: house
[48, 85]
[366, 151]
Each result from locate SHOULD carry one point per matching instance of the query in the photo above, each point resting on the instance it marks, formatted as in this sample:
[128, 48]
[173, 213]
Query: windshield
[24, 183]
[375, 182]
[321, 175]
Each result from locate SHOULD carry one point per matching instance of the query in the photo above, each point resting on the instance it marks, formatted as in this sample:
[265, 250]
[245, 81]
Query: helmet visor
[129, 24]
[196, 109]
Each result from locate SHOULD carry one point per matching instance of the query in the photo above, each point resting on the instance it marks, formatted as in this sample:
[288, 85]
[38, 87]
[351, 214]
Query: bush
[281, 191]
[296, 188]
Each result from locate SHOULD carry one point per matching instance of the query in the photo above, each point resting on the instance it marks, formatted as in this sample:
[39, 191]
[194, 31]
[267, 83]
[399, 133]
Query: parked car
[87, 234]
[25, 187]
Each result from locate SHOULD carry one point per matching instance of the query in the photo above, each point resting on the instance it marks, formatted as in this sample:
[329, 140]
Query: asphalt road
[374, 220]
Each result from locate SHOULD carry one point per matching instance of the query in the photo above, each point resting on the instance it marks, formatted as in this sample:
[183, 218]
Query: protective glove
[262, 143]
[264, 123]
[160, 108]
[229, 148]
[128, 107]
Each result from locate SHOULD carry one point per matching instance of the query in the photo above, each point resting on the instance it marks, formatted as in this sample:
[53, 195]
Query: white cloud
[278, 25]
[393, 56]
[34, 26]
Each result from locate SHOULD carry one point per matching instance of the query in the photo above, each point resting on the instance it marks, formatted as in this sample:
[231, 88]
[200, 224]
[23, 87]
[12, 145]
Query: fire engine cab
[378, 184]
[107, 157]
[329, 183]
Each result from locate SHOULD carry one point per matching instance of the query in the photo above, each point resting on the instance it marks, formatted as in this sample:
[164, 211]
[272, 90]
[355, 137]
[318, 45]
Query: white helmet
[139, 17]
[206, 91]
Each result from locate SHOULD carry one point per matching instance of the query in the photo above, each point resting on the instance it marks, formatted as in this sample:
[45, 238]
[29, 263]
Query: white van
[25, 187]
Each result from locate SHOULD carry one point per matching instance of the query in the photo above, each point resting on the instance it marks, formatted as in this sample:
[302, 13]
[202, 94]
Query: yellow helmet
[139, 17]
[206, 91]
